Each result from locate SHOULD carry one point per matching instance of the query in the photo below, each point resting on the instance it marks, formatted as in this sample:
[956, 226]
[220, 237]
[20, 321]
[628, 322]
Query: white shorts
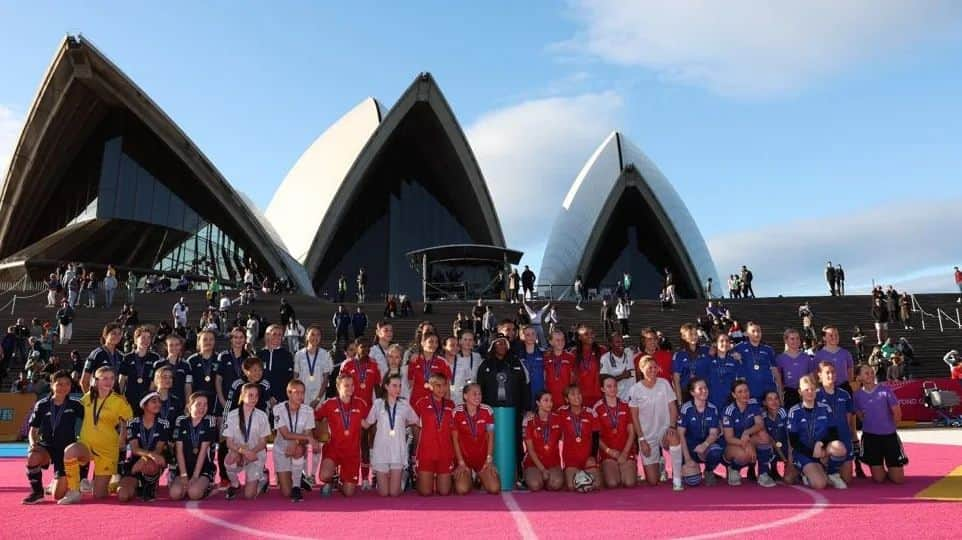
[283, 463]
[387, 467]
[654, 443]
[254, 470]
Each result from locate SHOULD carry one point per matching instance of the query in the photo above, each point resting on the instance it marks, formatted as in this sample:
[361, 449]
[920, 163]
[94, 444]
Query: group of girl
[429, 407]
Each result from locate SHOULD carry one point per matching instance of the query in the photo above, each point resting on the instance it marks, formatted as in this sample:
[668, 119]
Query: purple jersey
[876, 408]
[792, 369]
[841, 359]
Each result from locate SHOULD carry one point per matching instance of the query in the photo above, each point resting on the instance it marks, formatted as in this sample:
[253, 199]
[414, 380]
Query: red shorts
[348, 466]
[475, 463]
[549, 463]
[576, 462]
[443, 465]
[605, 457]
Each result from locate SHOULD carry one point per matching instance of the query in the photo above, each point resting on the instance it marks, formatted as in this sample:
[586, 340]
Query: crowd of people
[381, 415]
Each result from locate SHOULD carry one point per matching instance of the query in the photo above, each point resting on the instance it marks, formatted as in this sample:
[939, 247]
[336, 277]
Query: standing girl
[435, 449]
[588, 364]
[793, 364]
[421, 366]
[389, 454]
[559, 369]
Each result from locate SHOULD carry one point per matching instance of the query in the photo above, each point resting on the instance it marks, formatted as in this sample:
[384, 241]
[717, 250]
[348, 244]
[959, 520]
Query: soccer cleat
[296, 495]
[71, 497]
[837, 481]
[805, 481]
[326, 490]
[33, 498]
[734, 477]
[85, 486]
[365, 486]
[262, 486]
[677, 485]
[224, 482]
[307, 483]
[231, 493]
[710, 478]
[765, 480]
[663, 477]
[751, 473]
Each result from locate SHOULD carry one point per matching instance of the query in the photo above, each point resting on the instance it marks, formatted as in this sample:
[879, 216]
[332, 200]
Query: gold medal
[547, 447]
[311, 378]
[363, 386]
[577, 439]
[392, 433]
[207, 378]
[427, 385]
[196, 451]
[347, 432]
[140, 380]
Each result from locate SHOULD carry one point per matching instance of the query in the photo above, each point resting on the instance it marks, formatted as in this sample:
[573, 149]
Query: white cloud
[754, 47]
[530, 153]
[909, 244]
[9, 130]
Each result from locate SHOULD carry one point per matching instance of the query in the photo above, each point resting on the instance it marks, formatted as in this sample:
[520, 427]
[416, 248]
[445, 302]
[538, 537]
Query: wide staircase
[775, 314]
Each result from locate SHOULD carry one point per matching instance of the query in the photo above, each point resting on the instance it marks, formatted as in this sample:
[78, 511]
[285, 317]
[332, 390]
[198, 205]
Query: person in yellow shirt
[105, 418]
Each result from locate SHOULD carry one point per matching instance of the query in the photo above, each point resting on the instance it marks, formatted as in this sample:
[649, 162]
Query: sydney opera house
[101, 175]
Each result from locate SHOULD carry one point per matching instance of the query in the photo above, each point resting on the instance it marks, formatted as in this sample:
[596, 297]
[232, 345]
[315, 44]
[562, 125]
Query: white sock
[297, 469]
[232, 472]
[676, 458]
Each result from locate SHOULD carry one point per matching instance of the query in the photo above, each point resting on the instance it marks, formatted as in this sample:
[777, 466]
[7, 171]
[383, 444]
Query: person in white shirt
[179, 312]
[654, 413]
[313, 366]
[537, 317]
[293, 334]
[618, 362]
[295, 430]
[465, 367]
[623, 313]
[245, 431]
[384, 333]
[389, 454]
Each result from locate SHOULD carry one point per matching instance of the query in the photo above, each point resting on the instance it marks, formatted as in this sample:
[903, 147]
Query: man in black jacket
[505, 383]
[527, 284]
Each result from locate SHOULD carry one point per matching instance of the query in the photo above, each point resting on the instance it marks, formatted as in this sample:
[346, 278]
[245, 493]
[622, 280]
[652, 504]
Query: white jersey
[616, 366]
[391, 449]
[298, 422]
[464, 369]
[653, 406]
[405, 383]
[258, 425]
[323, 367]
[379, 354]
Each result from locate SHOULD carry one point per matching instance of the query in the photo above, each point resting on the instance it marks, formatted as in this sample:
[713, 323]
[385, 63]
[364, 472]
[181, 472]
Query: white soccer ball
[584, 482]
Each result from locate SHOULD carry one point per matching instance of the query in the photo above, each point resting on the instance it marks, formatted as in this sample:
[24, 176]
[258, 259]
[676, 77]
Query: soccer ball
[691, 474]
[584, 482]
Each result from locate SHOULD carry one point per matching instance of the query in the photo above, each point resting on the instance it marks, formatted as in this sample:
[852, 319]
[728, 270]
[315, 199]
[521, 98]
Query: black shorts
[56, 459]
[883, 449]
[207, 470]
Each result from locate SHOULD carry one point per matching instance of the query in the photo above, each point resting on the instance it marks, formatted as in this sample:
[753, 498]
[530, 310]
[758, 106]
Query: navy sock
[765, 455]
[35, 476]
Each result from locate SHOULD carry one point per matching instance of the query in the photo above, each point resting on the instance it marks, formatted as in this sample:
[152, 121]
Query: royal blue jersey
[740, 420]
[684, 363]
[759, 362]
[697, 424]
[842, 405]
[720, 373]
[777, 428]
[809, 426]
[148, 438]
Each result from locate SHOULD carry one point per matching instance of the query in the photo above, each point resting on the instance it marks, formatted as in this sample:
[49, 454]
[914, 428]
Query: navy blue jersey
[684, 363]
[192, 437]
[182, 376]
[278, 367]
[809, 426]
[234, 396]
[148, 438]
[202, 371]
[759, 362]
[740, 420]
[720, 373]
[59, 425]
[697, 424]
[230, 369]
[100, 357]
[171, 408]
[842, 405]
[777, 428]
[139, 371]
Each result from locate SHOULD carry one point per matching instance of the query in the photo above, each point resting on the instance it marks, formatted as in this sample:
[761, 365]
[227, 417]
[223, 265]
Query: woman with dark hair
[194, 438]
[246, 429]
[542, 437]
[879, 409]
[699, 429]
[389, 453]
[53, 427]
[588, 355]
[414, 349]
[745, 439]
[148, 436]
[775, 419]
[421, 366]
[473, 441]
[616, 451]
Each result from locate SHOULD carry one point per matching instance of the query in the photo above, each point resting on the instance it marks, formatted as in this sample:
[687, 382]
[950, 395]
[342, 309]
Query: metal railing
[940, 315]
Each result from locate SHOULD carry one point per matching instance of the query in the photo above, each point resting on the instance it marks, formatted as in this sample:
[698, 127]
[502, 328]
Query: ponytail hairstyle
[108, 328]
[242, 400]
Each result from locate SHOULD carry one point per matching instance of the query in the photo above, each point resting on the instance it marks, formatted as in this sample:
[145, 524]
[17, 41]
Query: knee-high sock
[72, 467]
[765, 454]
[297, 470]
[713, 458]
[315, 464]
[221, 456]
[232, 472]
[676, 459]
[35, 477]
[835, 464]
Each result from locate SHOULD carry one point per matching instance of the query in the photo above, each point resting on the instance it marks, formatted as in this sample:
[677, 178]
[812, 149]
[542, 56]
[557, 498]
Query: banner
[912, 399]
[14, 410]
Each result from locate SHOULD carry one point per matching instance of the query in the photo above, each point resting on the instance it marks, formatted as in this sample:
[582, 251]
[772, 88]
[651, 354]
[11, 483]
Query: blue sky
[795, 134]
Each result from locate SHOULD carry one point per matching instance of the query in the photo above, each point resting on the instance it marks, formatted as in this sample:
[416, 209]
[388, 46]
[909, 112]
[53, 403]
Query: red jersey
[545, 436]
[473, 434]
[559, 372]
[420, 370]
[957, 371]
[344, 420]
[437, 422]
[577, 430]
[613, 424]
[663, 359]
[589, 374]
[366, 377]
[958, 277]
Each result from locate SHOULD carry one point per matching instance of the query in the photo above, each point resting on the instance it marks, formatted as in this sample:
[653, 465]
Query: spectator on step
[858, 339]
[607, 318]
[73, 286]
[287, 313]
[527, 284]
[668, 286]
[53, 285]
[477, 318]
[390, 307]
[954, 360]
[253, 327]
[553, 322]
[406, 308]
[223, 307]
[514, 283]
[521, 317]
[359, 322]
[293, 334]
[489, 324]
[958, 283]
[896, 370]
[179, 313]
[905, 311]
[746, 278]
[626, 286]
[537, 318]
[341, 288]
[65, 317]
[830, 277]
[734, 289]
[840, 280]
[708, 289]
[581, 293]
[342, 324]
[110, 287]
[805, 310]
[892, 303]
[623, 312]
[880, 314]
[361, 281]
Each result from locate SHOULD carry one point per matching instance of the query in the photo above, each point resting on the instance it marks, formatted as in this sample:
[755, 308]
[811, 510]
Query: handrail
[917, 308]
